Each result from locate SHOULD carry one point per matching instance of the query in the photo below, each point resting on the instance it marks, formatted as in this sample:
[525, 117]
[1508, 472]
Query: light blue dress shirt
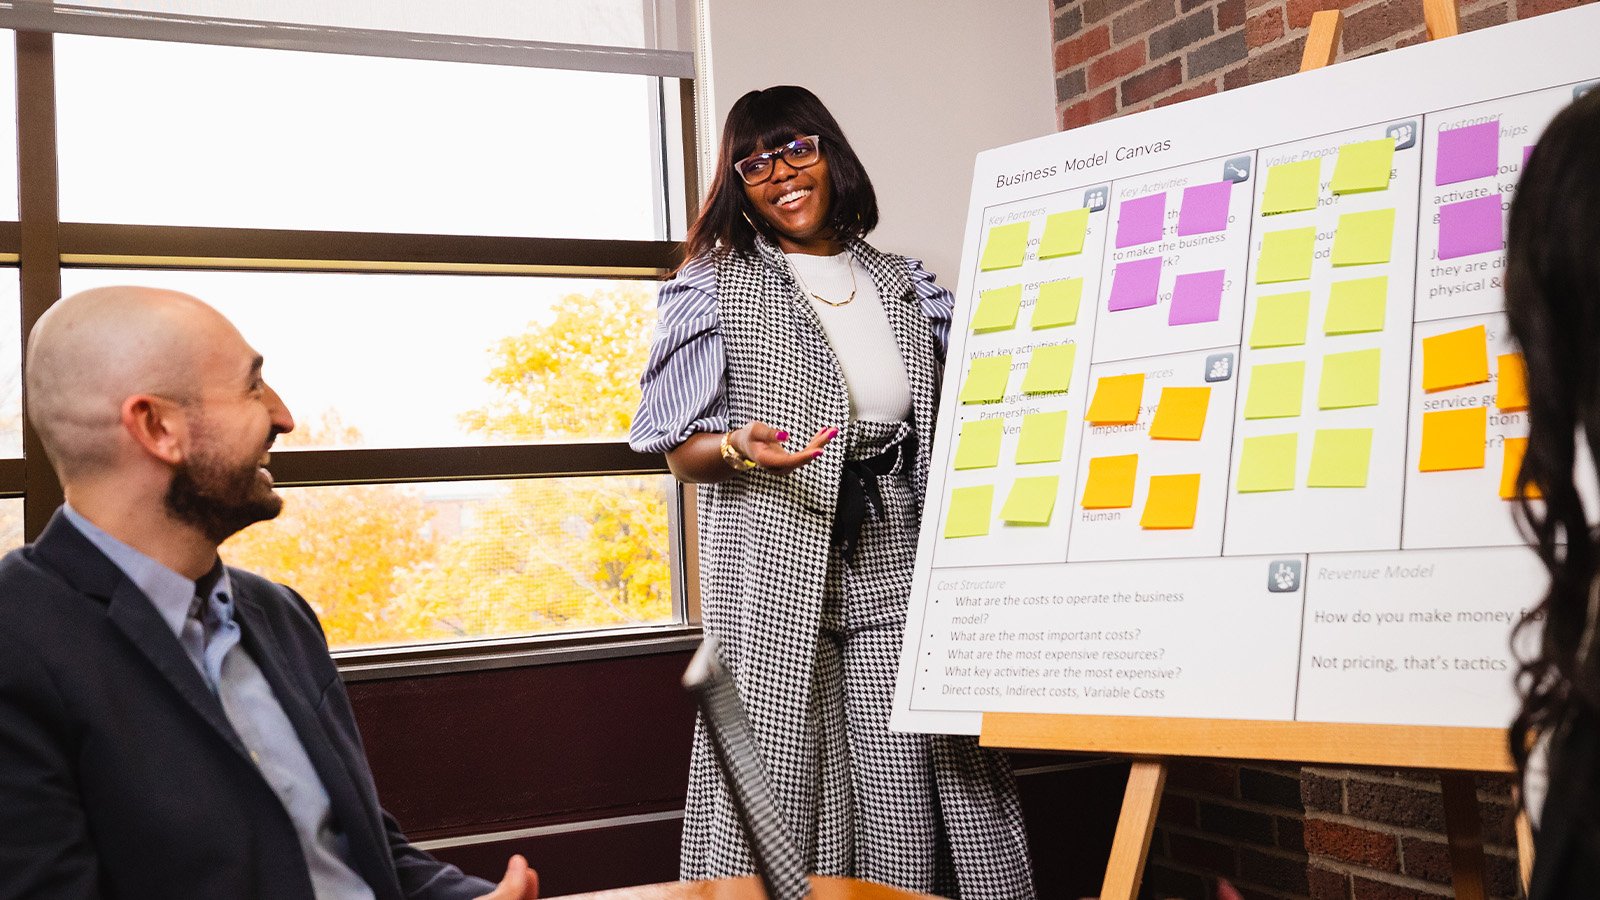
[210, 637]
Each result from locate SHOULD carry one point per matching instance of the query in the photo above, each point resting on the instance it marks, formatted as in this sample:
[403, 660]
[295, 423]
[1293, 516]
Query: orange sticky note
[1510, 466]
[1116, 400]
[1172, 501]
[1453, 439]
[1455, 359]
[1181, 414]
[1511, 390]
[1110, 482]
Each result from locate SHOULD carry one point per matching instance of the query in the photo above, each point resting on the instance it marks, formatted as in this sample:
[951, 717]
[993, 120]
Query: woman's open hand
[764, 444]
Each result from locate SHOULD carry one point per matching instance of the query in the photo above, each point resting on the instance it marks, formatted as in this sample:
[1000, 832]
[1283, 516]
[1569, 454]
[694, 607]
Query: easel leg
[1464, 829]
[1131, 845]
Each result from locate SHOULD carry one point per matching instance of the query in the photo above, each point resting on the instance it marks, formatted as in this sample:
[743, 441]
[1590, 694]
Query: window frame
[40, 245]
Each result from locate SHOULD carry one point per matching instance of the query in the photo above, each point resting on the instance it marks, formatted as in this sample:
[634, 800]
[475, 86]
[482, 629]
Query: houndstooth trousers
[813, 643]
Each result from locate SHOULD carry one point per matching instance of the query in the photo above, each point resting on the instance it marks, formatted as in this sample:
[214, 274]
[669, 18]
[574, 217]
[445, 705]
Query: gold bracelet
[731, 455]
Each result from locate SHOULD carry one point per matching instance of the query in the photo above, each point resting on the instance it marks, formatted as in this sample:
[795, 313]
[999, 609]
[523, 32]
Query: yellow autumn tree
[350, 550]
[571, 552]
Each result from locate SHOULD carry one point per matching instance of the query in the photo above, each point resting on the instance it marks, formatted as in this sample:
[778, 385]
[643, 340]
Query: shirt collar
[170, 593]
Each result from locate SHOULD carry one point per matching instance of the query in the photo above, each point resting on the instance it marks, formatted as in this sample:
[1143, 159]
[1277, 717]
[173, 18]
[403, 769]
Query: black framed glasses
[798, 153]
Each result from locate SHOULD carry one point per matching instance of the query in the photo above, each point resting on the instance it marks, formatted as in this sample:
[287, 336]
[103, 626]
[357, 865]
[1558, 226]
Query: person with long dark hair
[1553, 304]
[781, 323]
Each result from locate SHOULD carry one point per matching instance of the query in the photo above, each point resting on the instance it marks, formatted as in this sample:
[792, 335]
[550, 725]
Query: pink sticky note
[1197, 297]
[1205, 208]
[1471, 226]
[1135, 283]
[1526, 152]
[1467, 153]
[1139, 222]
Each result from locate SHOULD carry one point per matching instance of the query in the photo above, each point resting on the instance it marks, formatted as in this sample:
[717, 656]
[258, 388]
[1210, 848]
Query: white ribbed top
[860, 334]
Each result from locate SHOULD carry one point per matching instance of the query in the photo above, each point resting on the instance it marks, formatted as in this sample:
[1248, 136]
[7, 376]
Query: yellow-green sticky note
[979, 447]
[1031, 500]
[1116, 400]
[997, 309]
[1181, 414]
[1292, 187]
[1172, 502]
[1043, 436]
[1049, 369]
[1286, 255]
[1005, 247]
[1063, 234]
[1356, 307]
[1058, 303]
[1349, 379]
[1363, 166]
[1455, 359]
[1266, 463]
[1275, 390]
[970, 509]
[1363, 238]
[1281, 320]
[1110, 482]
[987, 379]
[1453, 439]
[1340, 457]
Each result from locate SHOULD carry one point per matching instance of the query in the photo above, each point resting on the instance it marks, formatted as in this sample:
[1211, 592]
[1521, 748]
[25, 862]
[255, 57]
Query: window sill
[370, 664]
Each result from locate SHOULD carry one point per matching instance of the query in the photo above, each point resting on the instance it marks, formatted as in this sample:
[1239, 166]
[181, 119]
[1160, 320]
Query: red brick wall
[1274, 831]
[1118, 56]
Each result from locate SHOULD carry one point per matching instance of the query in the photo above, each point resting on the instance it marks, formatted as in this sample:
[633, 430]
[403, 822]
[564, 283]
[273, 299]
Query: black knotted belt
[859, 497]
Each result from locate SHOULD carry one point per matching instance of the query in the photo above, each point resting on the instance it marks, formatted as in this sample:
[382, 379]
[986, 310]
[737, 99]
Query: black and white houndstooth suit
[813, 643]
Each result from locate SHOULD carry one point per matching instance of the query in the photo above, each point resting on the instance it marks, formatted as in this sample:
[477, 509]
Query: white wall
[919, 86]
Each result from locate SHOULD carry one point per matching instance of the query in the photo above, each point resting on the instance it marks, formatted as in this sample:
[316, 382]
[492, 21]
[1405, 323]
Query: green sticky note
[1357, 307]
[1031, 500]
[1063, 234]
[1339, 457]
[1275, 390]
[979, 447]
[1058, 303]
[1364, 166]
[1281, 320]
[987, 379]
[1266, 463]
[1043, 436]
[1005, 247]
[1349, 379]
[1363, 238]
[970, 509]
[1286, 255]
[997, 309]
[1292, 187]
[1050, 369]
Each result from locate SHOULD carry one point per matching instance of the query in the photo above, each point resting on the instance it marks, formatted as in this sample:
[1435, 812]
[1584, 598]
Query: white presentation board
[1231, 417]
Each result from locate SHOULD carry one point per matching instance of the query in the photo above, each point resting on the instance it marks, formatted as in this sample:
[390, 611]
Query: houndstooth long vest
[765, 537]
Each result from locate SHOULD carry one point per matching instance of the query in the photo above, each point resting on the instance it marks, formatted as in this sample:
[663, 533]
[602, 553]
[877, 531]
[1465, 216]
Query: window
[449, 264]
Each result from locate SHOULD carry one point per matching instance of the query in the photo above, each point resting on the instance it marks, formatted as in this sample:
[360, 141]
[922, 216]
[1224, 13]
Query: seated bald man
[171, 727]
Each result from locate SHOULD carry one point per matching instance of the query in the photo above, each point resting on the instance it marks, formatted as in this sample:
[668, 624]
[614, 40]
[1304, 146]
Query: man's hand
[520, 883]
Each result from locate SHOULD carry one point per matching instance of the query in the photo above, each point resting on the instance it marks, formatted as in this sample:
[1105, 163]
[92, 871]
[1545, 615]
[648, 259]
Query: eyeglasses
[798, 153]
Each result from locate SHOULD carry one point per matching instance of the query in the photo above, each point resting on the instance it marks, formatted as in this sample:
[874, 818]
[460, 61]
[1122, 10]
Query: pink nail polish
[833, 434]
[816, 454]
[783, 436]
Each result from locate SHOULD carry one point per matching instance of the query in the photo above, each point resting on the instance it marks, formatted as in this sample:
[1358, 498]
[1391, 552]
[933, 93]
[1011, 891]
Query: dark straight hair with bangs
[771, 118]
[1553, 307]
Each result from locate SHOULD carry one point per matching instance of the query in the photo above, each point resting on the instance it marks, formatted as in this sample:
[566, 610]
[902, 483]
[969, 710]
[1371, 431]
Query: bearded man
[171, 727]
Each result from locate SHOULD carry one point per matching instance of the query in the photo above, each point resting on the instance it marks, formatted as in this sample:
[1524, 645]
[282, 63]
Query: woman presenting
[793, 376]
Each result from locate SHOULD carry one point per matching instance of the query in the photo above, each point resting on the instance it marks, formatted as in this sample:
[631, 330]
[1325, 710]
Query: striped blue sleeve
[938, 304]
[684, 376]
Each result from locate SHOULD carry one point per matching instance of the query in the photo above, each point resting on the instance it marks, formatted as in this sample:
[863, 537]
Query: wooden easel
[1458, 754]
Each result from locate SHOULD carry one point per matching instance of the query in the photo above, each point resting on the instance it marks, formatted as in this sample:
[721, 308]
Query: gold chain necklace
[818, 297]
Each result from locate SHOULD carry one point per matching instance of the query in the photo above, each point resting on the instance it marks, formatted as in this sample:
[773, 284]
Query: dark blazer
[120, 776]
[1566, 858]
